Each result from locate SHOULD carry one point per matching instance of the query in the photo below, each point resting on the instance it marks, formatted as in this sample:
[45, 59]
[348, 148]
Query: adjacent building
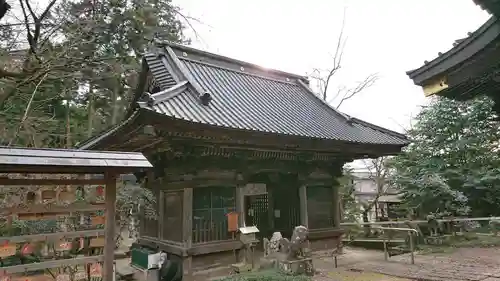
[468, 69]
[367, 191]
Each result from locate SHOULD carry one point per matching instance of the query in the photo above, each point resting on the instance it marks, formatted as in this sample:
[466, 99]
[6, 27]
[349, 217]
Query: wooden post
[336, 206]
[109, 227]
[240, 205]
[304, 220]
[161, 214]
[270, 208]
[187, 228]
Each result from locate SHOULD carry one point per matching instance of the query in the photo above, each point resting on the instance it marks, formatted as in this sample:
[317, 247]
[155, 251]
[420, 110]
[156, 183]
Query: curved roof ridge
[336, 111]
[237, 71]
[218, 57]
[462, 44]
[378, 128]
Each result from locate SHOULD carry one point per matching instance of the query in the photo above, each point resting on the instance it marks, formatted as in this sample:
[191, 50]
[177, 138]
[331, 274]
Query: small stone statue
[272, 246]
[294, 247]
[494, 226]
[433, 224]
[298, 255]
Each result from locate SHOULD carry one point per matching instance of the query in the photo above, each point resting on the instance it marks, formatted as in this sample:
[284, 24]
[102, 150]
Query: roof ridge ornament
[206, 98]
[203, 96]
[153, 99]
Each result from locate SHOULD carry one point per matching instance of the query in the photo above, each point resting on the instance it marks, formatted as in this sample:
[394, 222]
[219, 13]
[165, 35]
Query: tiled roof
[462, 50]
[245, 96]
[492, 6]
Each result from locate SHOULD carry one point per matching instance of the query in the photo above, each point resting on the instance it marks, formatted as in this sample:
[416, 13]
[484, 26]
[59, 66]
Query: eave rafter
[469, 58]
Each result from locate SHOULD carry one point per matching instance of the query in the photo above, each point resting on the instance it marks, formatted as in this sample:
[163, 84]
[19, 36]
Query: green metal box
[144, 258]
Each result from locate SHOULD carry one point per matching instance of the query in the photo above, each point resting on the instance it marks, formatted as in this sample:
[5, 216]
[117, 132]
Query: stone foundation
[325, 244]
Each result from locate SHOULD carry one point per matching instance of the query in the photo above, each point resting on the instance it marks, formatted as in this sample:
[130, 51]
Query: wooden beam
[163, 245]
[187, 228]
[336, 206]
[304, 220]
[214, 247]
[315, 234]
[52, 236]
[109, 227]
[240, 205]
[38, 209]
[51, 264]
[188, 130]
[196, 249]
[161, 213]
[24, 182]
[187, 217]
[270, 207]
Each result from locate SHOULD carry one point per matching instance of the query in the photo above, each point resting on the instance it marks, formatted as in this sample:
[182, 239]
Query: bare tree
[324, 78]
[33, 60]
[378, 172]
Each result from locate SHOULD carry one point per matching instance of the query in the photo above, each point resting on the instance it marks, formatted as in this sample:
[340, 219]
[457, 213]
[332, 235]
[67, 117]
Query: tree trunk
[68, 124]
[114, 114]
[365, 220]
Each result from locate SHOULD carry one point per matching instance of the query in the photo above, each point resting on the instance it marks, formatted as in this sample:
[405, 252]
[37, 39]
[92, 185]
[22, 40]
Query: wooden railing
[362, 230]
[206, 231]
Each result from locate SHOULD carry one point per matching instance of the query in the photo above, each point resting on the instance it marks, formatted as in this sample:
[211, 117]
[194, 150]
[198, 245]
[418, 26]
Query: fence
[393, 236]
[210, 231]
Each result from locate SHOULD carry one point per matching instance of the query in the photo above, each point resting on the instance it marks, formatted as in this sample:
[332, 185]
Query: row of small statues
[436, 227]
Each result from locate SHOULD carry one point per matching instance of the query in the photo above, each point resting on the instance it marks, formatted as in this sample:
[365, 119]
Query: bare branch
[324, 78]
[324, 81]
[378, 173]
[26, 111]
[366, 83]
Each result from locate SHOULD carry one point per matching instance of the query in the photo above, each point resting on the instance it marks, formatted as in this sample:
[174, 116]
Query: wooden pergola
[20, 167]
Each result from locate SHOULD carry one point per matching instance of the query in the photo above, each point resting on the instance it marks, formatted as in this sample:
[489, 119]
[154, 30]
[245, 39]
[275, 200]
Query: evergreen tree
[452, 166]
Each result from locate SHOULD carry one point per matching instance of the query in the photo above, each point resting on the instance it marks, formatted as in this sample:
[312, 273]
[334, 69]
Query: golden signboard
[435, 87]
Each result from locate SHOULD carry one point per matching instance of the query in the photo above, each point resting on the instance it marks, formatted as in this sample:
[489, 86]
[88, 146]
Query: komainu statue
[297, 254]
[272, 246]
[298, 245]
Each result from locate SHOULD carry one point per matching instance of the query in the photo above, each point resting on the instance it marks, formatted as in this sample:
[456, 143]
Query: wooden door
[257, 210]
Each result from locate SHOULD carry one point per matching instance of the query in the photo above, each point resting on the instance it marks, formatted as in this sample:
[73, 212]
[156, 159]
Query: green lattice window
[210, 207]
[320, 207]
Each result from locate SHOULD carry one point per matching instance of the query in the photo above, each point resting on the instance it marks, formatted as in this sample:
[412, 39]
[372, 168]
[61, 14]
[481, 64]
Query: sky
[387, 37]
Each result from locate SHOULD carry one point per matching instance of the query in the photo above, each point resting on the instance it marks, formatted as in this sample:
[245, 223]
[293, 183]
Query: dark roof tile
[247, 99]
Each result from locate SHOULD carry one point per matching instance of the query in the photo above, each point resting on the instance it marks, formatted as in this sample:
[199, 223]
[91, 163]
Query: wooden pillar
[270, 207]
[187, 228]
[109, 227]
[160, 198]
[336, 205]
[304, 220]
[240, 204]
